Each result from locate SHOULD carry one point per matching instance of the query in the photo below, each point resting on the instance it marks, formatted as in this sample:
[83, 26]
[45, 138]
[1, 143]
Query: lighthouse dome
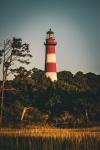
[50, 32]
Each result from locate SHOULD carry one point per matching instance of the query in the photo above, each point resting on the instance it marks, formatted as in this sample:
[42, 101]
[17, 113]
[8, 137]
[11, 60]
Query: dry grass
[51, 132]
[46, 138]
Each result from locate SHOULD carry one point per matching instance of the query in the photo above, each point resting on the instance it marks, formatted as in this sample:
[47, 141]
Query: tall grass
[49, 139]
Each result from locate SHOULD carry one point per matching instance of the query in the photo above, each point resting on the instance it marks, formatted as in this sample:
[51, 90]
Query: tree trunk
[2, 90]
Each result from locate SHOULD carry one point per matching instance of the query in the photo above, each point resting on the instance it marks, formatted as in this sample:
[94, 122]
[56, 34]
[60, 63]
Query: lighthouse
[50, 56]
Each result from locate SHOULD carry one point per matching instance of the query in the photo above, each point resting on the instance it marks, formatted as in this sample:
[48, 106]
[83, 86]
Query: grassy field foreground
[42, 138]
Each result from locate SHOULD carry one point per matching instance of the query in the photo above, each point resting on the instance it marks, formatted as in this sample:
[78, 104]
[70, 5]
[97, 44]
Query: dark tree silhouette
[12, 52]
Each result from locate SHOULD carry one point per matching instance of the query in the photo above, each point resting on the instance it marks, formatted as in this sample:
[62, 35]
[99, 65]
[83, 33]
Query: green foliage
[73, 99]
[13, 51]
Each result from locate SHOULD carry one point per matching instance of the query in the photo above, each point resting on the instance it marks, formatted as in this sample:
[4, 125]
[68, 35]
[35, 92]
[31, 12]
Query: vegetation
[11, 52]
[74, 100]
[31, 98]
[32, 106]
[49, 139]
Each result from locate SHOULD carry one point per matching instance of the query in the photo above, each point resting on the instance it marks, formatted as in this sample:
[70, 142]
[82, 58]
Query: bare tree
[24, 111]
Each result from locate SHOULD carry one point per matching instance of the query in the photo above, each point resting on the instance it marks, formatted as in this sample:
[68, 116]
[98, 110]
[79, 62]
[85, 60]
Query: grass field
[42, 138]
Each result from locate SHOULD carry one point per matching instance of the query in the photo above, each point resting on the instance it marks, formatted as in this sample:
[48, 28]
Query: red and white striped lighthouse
[50, 56]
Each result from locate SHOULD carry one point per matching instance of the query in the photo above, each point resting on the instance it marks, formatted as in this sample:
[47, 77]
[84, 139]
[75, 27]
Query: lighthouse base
[52, 75]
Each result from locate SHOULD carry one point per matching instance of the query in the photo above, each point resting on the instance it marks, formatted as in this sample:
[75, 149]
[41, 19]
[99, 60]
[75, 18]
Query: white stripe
[52, 75]
[51, 58]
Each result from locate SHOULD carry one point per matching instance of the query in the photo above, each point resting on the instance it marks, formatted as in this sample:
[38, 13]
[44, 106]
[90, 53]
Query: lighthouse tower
[50, 56]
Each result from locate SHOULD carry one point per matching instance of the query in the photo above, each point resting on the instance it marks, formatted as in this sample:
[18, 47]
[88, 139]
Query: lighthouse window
[51, 35]
[47, 36]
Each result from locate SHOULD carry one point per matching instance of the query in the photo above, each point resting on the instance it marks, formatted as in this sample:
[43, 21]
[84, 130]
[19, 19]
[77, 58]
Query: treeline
[31, 98]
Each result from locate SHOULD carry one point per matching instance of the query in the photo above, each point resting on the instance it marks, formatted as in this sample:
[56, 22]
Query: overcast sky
[76, 24]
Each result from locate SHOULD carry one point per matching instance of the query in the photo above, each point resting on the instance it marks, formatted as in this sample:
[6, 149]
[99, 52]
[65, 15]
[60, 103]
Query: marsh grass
[49, 139]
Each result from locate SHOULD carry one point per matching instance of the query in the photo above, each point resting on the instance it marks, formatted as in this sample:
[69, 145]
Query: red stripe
[50, 49]
[51, 41]
[50, 67]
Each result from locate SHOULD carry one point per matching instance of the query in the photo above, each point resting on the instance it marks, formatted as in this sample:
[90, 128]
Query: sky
[76, 24]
